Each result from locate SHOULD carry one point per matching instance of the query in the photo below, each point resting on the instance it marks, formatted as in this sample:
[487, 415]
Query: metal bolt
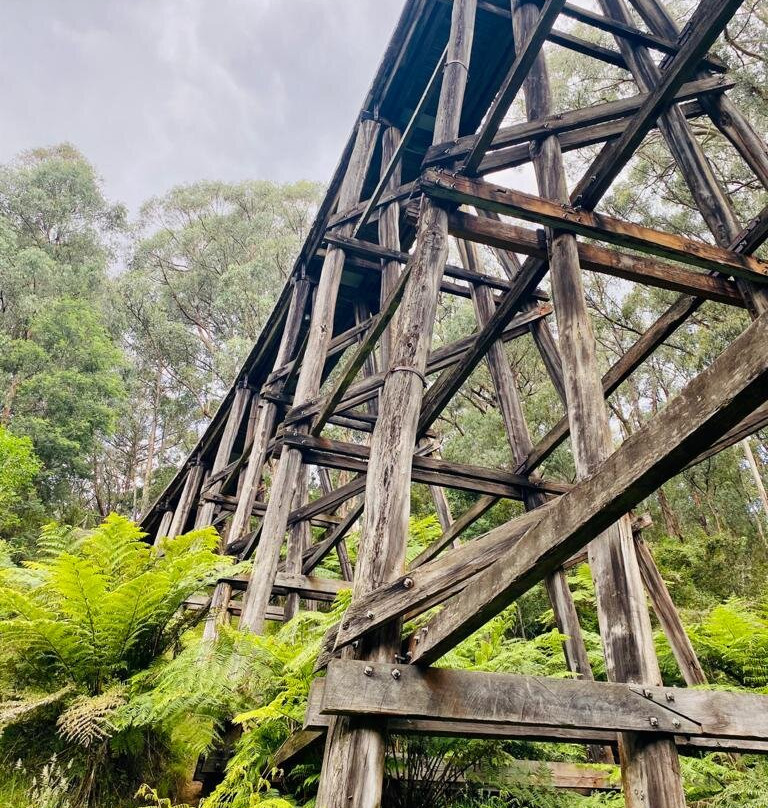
[675, 722]
[647, 693]
[408, 583]
[396, 673]
[369, 614]
[670, 696]
[368, 670]
[345, 625]
[654, 722]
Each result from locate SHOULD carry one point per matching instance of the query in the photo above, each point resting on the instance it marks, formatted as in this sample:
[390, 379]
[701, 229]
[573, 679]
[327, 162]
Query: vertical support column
[286, 478]
[164, 526]
[669, 619]
[298, 541]
[264, 426]
[520, 443]
[353, 766]
[650, 766]
[224, 450]
[540, 330]
[389, 236]
[347, 572]
[187, 499]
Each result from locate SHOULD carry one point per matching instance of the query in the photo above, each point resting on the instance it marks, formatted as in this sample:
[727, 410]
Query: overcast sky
[161, 92]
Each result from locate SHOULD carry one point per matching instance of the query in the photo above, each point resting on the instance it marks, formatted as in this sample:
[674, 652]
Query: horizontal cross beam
[429, 470]
[462, 190]
[379, 689]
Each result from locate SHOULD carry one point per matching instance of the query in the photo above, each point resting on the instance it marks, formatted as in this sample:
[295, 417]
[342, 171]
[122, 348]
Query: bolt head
[396, 673]
[408, 583]
[647, 693]
[653, 721]
[368, 670]
[670, 696]
[369, 614]
[675, 722]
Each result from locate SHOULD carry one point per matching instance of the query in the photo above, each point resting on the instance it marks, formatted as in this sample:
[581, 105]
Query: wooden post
[389, 236]
[275, 522]
[165, 524]
[650, 769]
[520, 443]
[187, 499]
[267, 414]
[298, 541]
[669, 619]
[347, 572]
[224, 451]
[353, 765]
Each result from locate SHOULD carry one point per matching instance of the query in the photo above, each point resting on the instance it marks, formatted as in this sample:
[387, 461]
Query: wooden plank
[463, 190]
[308, 586]
[690, 745]
[441, 694]
[594, 258]
[710, 405]
[354, 245]
[583, 46]
[595, 134]
[317, 552]
[634, 35]
[331, 501]
[294, 745]
[562, 123]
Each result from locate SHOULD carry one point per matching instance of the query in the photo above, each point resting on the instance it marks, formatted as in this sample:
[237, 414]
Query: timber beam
[429, 470]
[730, 389]
[462, 190]
[439, 694]
[560, 124]
[639, 269]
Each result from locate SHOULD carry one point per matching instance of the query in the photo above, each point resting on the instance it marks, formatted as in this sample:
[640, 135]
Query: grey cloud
[160, 92]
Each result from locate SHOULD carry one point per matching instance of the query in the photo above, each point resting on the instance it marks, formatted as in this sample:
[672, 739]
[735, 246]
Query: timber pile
[346, 347]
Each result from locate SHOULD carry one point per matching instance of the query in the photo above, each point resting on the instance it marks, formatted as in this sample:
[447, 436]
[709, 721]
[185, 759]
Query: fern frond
[89, 719]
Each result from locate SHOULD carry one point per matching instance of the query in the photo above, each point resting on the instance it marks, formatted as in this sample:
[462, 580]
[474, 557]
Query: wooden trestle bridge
[417, 170]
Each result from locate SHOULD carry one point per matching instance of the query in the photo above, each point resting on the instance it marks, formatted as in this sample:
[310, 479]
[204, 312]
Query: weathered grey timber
[348, 346]
[455, 695]
[289, 467]
[353, 765]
